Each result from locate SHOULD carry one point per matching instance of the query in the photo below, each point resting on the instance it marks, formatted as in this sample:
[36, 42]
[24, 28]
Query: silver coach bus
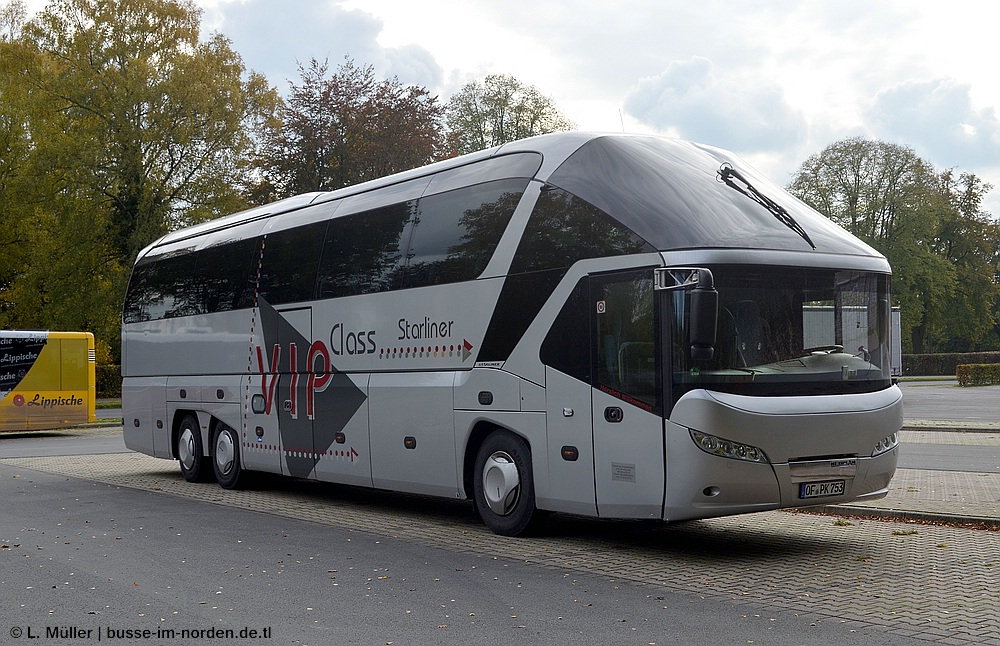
[607, 325]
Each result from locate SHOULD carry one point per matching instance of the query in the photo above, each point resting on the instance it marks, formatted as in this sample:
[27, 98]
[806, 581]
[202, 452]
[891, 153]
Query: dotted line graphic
[460, 351]
[340, 454]
[421, 352]
[253, 327]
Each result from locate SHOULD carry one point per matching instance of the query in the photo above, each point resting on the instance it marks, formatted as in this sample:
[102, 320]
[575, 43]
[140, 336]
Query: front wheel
[226, 457]
[504, 486]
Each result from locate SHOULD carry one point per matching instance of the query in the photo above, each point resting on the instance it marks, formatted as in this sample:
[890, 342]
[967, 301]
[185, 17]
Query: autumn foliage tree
[498, 110]
[347, 127]
[129, 126]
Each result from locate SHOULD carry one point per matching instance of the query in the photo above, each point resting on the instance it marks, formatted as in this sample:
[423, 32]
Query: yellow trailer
[47, 379]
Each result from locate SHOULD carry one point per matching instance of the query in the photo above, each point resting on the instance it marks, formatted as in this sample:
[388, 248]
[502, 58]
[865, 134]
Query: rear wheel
[504, 486]
[226, 457]
[190, 451]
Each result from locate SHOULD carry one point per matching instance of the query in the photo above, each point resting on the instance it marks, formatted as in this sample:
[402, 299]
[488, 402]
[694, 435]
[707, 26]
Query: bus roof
[672, 193]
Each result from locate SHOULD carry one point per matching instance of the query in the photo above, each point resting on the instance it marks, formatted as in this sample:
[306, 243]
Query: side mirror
[704, 323]
[704, 305]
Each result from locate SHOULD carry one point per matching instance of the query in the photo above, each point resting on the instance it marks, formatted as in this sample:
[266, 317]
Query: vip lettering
[319, 375]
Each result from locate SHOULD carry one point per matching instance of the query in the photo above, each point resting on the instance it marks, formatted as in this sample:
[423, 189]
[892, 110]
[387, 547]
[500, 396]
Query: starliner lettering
[426, 329]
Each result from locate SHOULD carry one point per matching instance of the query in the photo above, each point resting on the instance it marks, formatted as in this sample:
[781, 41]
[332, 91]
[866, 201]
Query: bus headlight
[727, 449]
[886, 444]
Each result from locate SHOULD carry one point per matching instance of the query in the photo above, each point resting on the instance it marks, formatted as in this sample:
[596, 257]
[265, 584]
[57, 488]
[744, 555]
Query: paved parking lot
[930, 581]
[946, 401]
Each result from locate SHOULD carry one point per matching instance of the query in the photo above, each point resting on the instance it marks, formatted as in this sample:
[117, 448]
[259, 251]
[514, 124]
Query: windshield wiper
[727, 174]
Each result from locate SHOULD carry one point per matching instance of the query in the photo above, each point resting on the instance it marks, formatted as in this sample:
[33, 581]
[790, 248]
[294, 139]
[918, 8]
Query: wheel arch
[480, 431]
[207, 422]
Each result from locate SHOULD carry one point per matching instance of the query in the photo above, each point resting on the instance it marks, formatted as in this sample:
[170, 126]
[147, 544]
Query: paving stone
[935, 582]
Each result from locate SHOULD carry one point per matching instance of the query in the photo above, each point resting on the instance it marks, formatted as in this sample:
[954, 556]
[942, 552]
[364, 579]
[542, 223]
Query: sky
[774, 81]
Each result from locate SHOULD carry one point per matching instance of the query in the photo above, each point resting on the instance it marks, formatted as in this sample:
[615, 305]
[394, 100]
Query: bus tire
[503, 484]
[191, 452]
[226, 457]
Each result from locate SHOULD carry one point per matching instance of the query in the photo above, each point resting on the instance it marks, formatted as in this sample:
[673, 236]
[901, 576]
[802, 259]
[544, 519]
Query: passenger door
[626, 397]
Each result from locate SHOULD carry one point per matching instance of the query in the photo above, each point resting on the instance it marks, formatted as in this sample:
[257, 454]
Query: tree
[18, 232]
[154, 120]
[969, 239]
[349, 127]
[12, 17]
[499, 110]
[132, 127]
[928, 225]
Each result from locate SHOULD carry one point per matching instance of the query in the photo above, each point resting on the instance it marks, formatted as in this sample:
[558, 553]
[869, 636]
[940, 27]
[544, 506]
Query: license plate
[822, 489]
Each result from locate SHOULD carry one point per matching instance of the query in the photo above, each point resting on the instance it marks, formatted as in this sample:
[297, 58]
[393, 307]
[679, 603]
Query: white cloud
[413, 65]
[689, 99]
[937, 118]
[772, 80]
[274, 38]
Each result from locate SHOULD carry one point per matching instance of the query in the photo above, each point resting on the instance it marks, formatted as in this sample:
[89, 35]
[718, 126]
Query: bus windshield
[789, 331]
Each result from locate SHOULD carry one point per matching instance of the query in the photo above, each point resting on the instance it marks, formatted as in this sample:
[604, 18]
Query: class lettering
[351, 341]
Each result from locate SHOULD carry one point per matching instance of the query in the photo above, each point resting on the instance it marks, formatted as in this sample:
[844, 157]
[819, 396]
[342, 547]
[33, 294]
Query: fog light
[727, 449]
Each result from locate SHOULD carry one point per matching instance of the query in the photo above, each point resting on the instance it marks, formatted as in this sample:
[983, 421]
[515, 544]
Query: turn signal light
[727, 449]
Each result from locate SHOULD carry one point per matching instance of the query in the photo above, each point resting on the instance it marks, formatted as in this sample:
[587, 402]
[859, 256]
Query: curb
[904, 515]
[952, 427]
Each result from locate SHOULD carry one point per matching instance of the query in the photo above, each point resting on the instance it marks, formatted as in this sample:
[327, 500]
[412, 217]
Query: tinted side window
[362, 251]
[136, 306]
[625, 338]
[227, 272]
[564, 229]
[455, 233]
[521, 298]
[290, 262]
[163, 287]
[567, 345]
[214, 279]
